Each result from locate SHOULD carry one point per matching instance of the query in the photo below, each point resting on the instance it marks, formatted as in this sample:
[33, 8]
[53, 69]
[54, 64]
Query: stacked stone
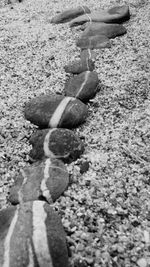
[31, 231]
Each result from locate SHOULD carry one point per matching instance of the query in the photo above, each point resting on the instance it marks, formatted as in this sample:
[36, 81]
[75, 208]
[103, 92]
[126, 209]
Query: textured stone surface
[93, 42]
[59, 143]
[31, 234]
[45, 180]
[69, 14]
[79, 66]
[108, 30]
[55, 111]
[83, 86]
[117, 14]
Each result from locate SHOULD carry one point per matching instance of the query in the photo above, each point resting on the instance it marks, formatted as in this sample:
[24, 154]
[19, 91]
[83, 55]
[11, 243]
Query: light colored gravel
[106, 211]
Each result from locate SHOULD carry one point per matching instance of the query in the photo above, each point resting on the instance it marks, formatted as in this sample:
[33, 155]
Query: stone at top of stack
[69, 14]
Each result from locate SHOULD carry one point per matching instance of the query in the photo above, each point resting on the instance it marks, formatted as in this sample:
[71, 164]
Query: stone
[84, 167]
[93, 42]
[70, 14]
[55, 111]
[116, 14]
[83, 86]
[86, 54]
[46, 180]
[108, 30]
[31, 234]
[78, 66]
[56, 143]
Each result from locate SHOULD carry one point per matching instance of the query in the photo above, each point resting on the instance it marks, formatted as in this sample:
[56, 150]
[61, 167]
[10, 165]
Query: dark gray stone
[46, 180]
[55, 111]
[31, 234]
[60, 143]
[83, 86]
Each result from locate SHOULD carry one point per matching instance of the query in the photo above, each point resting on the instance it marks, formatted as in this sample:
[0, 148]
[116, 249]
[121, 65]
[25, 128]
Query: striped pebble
[83, 86]
[69, 14]
[31, 234]
[46, 180]
[86, 54]
[55, 111]
[78, 66]
[93, 42]
[56, 143]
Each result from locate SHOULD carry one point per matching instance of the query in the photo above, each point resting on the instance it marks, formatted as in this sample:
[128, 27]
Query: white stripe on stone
[87, 14]
[47, 151]
[44, 189]
[31, 255]
[89, 52]
[40, 235]
[56, 117]
[6, 261]
[84, 83]
[20, 194]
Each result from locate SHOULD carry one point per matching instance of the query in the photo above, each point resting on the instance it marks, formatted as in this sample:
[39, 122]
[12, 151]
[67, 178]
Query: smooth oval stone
[31, 234]
[109, 30]
[46, 180]
[83, 86]
[55, 111]
[69, 14]
[55, 143]
[79, 66]
[117, 14]
[93, 42]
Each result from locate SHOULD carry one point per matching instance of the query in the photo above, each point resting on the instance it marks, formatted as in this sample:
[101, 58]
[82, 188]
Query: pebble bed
[105, 211]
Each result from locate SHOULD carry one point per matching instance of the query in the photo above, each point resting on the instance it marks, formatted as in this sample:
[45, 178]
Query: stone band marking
[87, 14]
[44, 189]
[84, 83]
[56, 117]
[40, 236]
[47, 151]
[20, 194]
[6, 262]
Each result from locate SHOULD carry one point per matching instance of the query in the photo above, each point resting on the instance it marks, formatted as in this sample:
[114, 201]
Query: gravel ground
[105, 211]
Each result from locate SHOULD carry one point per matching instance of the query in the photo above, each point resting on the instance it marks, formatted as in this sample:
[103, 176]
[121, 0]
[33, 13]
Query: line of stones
[31, 232]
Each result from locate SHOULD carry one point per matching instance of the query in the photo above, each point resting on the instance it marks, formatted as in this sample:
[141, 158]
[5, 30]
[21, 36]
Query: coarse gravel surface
[105, 211]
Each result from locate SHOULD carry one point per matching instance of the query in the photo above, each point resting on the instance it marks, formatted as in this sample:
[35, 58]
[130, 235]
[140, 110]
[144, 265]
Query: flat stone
[83, 86]
[55, 111]
[78, 66]
[46, 180]
[108, 30]
[70, 14]
[93, 42]
[60, 143]
[31, 234]
[116, 14]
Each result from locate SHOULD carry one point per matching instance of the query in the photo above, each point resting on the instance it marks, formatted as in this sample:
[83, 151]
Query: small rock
[60, 143]
[55, 111]
[32, 235]
[117, 14]
[93, 42]
[108, 30]
[83, 86]
[79, 66]
[142, 262]
[84, 166]
[45, 180]
[70, 14]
